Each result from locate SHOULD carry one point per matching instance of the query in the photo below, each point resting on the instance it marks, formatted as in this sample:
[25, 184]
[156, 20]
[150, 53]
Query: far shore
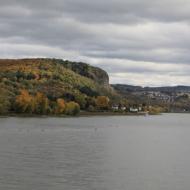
[81, 114]
[87, 114]
[112, 114]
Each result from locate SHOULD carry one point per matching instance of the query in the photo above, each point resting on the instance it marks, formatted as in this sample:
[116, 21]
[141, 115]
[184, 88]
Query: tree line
[39, 104]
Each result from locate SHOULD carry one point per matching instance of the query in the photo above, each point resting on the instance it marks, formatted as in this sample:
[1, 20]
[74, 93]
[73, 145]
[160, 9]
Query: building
[133, 110]
[115, 107]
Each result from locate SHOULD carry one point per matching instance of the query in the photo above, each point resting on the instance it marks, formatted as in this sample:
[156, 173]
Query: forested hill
[83, 69]
[52, 80]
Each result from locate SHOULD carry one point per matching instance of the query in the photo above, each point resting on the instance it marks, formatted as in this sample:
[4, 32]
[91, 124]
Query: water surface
[95, 153]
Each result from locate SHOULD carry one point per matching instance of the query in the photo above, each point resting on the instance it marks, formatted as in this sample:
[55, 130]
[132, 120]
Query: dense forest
[52, 86]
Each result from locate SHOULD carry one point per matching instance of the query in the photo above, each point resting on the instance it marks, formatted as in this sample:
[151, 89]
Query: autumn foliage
[102, 102]
[39, 104]
[72, 108]
[24, 102]
[60, 106]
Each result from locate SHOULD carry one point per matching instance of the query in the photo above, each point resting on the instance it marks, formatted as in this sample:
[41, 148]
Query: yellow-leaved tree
[102, 102]
[41, 103]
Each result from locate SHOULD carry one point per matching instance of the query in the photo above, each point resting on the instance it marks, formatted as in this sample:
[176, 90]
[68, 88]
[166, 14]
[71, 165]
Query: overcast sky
[139, 42]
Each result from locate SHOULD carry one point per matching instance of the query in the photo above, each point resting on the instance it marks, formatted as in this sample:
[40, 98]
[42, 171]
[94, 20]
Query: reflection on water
[98, 153]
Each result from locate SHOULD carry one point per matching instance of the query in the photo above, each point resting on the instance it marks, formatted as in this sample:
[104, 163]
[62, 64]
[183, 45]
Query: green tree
[4, 101]
[81, 100]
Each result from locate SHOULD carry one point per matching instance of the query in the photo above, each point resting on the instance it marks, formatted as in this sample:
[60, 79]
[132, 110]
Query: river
[95, 153]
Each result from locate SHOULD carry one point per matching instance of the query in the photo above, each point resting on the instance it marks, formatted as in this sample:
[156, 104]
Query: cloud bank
[140, 42]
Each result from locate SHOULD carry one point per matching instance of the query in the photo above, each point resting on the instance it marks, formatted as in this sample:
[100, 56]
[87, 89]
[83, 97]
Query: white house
[115, 108]
[133, 109]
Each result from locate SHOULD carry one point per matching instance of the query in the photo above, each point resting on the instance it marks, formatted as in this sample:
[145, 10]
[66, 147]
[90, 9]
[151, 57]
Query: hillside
[54, 78]
[174, 98]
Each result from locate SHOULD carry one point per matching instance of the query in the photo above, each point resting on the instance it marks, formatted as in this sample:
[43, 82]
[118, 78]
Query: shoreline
[81, 114]
[87, 114]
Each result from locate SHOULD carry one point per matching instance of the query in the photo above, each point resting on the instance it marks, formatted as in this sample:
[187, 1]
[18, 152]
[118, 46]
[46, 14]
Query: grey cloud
[110, 10]
[140, 31]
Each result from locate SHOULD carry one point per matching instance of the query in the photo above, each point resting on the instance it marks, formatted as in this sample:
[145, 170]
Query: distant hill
[123, 88]
[174, 99]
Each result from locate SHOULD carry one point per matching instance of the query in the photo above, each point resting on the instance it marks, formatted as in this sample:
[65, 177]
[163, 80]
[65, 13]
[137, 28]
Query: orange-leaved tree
[60, 106]
[24, 102]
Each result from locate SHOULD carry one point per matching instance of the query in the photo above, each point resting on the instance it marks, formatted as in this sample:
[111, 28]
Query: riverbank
[81, 114]
[112, 114]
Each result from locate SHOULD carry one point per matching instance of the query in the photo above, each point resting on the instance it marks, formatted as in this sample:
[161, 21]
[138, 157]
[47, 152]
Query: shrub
[72, 108]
